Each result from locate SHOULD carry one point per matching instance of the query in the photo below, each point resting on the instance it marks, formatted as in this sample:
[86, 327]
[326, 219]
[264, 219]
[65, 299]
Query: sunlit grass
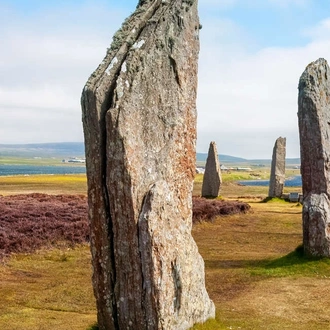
[252, 259]
[240, 175]
[254, 273]
[231, 189]
[211, 324]
[47, 290]
[274, 200]
[245, 257]
[4, 160]
[52, 184]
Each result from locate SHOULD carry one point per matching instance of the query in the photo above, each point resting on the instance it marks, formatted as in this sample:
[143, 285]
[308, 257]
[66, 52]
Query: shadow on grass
[231, 264]
[274, 199]
[296, 257]
[294, 262]
[93, 327]
[281, 212]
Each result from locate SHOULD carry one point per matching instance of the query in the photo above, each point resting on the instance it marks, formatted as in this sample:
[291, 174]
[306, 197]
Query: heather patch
[207, 210]
[30, 221]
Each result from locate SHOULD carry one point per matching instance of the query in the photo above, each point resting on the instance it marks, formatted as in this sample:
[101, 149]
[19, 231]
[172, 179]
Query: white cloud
[319, 32]
[45, 97]
[22, 125]
[248, 99]
[45, 61]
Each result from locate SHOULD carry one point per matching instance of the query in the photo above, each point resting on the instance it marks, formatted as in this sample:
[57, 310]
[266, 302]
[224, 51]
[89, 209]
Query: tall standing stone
[277, 173]
[212, 176]
[139, 118]
[314, 130]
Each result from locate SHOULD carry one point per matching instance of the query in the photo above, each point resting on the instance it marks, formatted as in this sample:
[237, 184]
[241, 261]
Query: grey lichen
[117, 40]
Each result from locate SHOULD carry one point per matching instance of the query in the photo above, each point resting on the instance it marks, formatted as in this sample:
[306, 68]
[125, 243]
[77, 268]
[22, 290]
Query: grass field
[31, 161]
[254, 273]
[48, 184]
[47, 290]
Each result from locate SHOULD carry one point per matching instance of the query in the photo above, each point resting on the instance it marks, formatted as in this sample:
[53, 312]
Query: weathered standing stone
[139, 116]
[277, 173]
[212, 176]
[314, 130]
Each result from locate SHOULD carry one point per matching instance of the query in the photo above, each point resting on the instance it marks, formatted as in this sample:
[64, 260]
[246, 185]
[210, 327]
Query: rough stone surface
[314, 130]
[277, 173]
[139, 117]
[212, 176]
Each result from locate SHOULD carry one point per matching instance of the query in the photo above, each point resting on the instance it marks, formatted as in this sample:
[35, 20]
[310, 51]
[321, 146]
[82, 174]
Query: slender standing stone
[277, 174]
[139, 117]
[212, 176]
[314, 130]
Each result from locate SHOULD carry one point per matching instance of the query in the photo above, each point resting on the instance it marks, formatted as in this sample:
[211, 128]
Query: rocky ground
[31, 221]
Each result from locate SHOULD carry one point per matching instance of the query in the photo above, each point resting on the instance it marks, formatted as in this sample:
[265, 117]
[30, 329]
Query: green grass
[32, 161]
[230, 188]
[47, 290]
[51, 184]
[241, 175]
[255, 275]
[295, 264]
[253, 272]
[211, 324]
[274, 200]
[93, 327]
[233, 176]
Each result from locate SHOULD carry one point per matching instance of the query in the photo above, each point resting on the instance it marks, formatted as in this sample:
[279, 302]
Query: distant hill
[63, 149]
[77, 149]
[201, 157]
[225, 159]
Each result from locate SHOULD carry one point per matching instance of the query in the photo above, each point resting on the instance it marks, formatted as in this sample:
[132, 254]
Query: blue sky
[252, 55]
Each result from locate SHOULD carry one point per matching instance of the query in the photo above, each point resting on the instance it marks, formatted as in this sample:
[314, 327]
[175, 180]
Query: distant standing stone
[212, 176]
[277, 174]
[314, 131]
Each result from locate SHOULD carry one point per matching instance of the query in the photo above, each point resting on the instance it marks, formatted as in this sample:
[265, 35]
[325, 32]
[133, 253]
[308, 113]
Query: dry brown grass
[48, 184]
[47, 290]
[248, 292]
[252, 275]
[52, 289]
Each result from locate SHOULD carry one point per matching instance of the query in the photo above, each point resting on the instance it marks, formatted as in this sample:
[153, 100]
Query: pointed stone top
[281, 140]
[213, 153]
[319, 62]
[213, 146]
[318, 69]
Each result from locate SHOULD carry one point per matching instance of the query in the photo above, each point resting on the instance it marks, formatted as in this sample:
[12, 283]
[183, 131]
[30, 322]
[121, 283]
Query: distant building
[200, 170]
[76, 160]
[244, 169]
